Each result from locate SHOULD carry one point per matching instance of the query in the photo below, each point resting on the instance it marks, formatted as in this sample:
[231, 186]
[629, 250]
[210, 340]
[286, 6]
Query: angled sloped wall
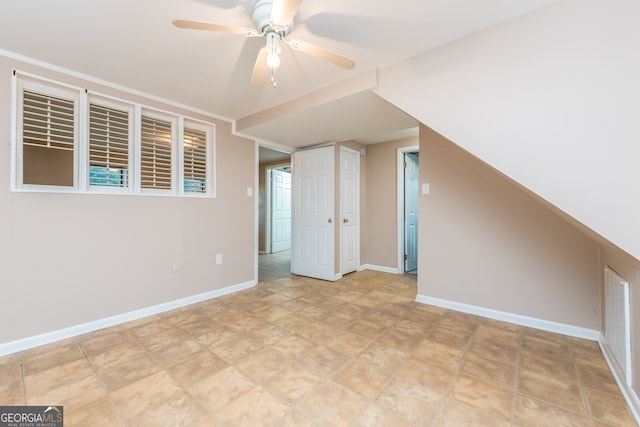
[550, 99]
[486, 242]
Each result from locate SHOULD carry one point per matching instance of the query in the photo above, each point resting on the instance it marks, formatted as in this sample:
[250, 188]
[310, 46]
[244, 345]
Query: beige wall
[486, 242]
[381, 203]
[67, 259]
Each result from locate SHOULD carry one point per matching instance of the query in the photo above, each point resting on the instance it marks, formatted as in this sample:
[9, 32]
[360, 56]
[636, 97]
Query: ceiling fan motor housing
[262, 18]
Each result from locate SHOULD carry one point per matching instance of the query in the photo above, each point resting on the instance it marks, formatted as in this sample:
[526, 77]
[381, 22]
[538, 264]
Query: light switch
[425, 188]
[249, 191]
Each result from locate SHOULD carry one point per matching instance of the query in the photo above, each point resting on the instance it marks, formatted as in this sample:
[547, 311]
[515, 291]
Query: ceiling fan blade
[195, 25]
[283, 11]
[318, 52]
[260, 73]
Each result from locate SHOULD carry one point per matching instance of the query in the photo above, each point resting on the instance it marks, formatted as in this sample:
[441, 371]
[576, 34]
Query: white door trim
[267, 210]
[400, 201]
[342, 213]
[278, 225]
[256, 210]
[267, 203]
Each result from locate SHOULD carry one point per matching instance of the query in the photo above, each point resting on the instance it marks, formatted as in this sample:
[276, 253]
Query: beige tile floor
[274, 266]
[299, 352]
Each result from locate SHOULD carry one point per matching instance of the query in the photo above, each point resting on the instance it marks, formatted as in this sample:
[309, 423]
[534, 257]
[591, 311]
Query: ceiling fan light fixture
[273, 61]
[273, 50]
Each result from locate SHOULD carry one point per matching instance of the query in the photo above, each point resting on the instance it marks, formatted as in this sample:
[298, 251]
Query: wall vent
[617, 334]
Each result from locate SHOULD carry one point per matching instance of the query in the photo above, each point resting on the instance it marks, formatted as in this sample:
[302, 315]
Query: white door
[349, 210]
[280, 211]
[411, 211]
[313, 249]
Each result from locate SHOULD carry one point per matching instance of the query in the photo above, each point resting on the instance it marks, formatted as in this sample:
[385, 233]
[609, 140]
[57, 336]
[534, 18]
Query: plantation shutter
[155, 154]
[48, 139]
[195, 161]
[48, 121]
[108, 146]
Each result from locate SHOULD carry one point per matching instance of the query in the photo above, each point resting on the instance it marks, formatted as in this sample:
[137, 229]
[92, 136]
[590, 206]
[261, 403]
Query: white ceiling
[267, 155]
[133, 43]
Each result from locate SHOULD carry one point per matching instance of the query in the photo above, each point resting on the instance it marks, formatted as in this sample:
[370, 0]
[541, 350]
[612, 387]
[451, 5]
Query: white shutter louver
[155, 159]
[108, 146]
[47, 121]
[48, 138]
[69, 139]
[195, 161]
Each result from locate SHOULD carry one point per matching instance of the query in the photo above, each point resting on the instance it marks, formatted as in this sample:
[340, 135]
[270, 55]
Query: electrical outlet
[176, 266]
[219, 259]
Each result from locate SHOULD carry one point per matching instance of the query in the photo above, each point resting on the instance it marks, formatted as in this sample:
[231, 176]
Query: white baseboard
[378, 268]
[61, 334]
[628, 392]
[545, 325]
[262, 253]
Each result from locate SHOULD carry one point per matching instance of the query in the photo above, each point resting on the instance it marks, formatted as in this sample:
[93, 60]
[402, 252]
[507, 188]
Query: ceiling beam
[360, 83]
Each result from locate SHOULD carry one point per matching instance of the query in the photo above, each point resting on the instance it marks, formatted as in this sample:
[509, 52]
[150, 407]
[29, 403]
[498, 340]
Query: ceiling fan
[273, 20]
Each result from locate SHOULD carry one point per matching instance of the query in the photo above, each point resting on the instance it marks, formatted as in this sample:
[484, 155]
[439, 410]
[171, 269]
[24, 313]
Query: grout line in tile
[325, 300]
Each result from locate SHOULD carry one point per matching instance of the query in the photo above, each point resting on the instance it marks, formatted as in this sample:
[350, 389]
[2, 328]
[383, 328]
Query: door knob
[329, 220]
[345, 220]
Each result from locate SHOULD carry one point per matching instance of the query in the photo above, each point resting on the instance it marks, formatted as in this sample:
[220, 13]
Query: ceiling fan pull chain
[273, 78]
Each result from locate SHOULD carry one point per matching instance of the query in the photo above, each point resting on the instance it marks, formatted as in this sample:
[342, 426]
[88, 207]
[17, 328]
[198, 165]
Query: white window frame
[50, 89]
[81, 162]
[119, 105]
[209, 129]
[165, 117]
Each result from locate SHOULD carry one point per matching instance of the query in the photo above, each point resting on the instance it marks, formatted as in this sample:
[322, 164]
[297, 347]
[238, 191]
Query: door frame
[400, 200]
[267, 203]
[256, 201]
[341, 189]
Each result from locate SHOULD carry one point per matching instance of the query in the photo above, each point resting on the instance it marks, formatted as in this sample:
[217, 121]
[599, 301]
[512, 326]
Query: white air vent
[617, 334]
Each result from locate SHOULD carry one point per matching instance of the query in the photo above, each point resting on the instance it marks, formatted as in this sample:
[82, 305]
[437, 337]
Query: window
[195, 159]
[108, 146]
[103, 176]
[70, 139]
[156, 154]
[48, 136]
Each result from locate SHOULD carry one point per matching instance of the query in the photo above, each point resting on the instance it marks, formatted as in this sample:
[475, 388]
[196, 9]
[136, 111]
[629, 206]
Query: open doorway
[278, 209]
[274, 214]
[408, 192]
